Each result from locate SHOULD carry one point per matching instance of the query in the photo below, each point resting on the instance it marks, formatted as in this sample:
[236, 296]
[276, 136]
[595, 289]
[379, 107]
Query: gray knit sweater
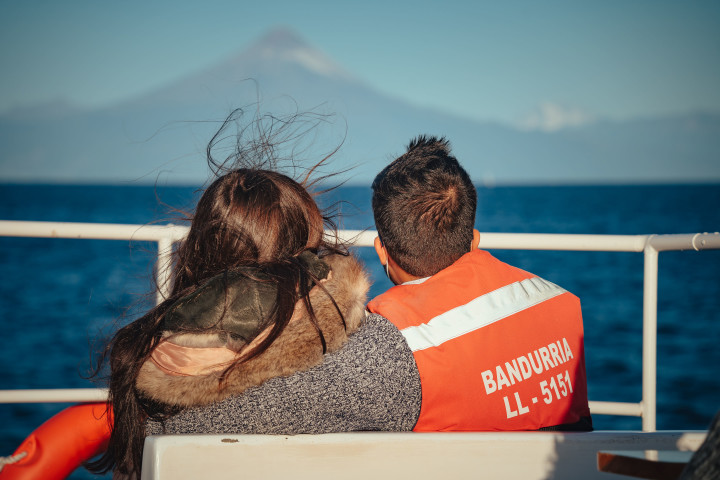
[371, 383]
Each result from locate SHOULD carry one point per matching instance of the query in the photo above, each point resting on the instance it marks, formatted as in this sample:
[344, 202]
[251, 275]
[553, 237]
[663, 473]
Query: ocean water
[60, 298]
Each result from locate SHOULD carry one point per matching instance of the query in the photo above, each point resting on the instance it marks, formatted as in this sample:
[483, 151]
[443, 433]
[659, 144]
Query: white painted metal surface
[54, 395]
[167, 235]
[164, 235]
[369, 455]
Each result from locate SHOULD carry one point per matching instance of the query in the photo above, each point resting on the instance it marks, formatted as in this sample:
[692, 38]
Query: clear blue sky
[486, 60]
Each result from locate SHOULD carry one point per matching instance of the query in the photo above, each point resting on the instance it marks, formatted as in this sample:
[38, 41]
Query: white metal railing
[166, 235]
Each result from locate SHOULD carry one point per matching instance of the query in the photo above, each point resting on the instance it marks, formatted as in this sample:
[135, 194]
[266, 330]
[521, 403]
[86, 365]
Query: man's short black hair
[424, 206]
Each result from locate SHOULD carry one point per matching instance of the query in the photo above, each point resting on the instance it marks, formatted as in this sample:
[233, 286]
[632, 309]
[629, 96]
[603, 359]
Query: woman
[259, 293]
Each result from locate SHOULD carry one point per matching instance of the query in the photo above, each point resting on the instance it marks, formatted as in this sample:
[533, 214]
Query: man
[497, 348]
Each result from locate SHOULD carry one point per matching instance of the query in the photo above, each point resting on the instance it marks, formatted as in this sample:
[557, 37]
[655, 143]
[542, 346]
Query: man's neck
[398, 275]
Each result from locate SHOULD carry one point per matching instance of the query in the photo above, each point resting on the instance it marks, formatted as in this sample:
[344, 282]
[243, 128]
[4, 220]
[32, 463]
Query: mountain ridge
[161, 134]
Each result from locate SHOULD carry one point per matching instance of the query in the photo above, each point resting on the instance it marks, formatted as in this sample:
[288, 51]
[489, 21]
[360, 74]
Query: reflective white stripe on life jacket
[480, 312]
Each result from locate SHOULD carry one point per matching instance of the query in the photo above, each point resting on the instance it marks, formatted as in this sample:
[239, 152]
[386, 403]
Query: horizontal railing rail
[167, 235]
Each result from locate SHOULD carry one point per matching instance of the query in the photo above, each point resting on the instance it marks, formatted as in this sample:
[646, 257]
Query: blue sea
[60, 298]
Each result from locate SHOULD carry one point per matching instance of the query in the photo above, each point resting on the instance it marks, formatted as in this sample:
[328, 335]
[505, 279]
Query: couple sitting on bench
[267, 329]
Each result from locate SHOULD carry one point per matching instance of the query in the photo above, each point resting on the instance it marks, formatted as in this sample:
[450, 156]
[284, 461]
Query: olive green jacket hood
[226, 314]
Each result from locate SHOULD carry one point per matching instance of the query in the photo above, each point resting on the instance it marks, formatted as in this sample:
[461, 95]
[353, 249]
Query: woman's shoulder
[377, 344]
[379, 334]
[371, 383]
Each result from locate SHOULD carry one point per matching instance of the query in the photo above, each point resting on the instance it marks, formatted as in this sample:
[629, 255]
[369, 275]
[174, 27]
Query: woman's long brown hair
[250, 216]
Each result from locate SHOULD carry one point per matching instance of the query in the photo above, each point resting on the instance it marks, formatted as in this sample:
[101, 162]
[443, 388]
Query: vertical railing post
[163, 268]
[649, 364]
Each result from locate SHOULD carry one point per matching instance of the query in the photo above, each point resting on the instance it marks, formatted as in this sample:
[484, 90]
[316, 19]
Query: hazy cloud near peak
[314, 61]
[284, 44]
[550, 117]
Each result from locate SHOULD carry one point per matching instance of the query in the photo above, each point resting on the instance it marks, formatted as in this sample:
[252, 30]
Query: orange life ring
[62, 443]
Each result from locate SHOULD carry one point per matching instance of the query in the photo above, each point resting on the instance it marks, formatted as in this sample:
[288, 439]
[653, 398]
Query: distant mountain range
[161, 136]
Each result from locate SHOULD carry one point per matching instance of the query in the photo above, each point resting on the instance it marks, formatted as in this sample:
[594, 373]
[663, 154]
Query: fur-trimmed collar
[297, 348]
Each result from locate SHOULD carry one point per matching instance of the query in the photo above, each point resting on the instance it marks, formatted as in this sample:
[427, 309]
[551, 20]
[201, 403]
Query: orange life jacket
[497, 348]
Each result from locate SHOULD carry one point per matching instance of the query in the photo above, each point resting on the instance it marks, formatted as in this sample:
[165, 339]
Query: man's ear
[475, 241]
[381, 252]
